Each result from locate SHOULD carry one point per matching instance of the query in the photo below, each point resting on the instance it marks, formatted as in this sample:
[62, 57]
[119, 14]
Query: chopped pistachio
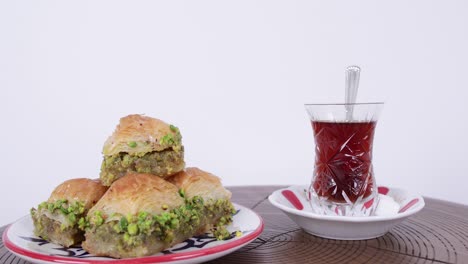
[142, 216]
[132, 144]
[42, 205]
[167, 139]
[182, 193]
[145, 226]
[117, 228]
[98, 220]
[123, 223]
[63, 210]
[174, 223]
[222, 220]
[130, 218]
[132, 229]
[82, 223]
[72, 218]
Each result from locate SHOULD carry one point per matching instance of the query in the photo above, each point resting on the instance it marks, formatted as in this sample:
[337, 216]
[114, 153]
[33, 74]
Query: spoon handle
[352, 74]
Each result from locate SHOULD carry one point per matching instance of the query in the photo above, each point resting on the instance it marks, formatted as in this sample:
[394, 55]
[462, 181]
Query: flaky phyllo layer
[61, 222]
[124, 236]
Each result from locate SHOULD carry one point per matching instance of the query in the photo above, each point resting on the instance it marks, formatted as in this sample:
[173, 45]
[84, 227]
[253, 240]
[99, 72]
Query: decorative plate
[394, 206]
[20, 240]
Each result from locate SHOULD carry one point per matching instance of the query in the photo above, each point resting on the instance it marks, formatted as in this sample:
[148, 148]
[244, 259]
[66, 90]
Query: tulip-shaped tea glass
[343, 182]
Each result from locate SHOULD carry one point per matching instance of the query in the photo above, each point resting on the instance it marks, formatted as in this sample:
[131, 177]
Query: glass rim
[338, 104]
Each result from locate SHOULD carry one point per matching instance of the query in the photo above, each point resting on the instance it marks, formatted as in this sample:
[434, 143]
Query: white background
[233, 75]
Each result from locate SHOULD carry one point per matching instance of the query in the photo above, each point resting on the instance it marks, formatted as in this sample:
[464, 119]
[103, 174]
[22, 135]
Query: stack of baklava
[145, 200]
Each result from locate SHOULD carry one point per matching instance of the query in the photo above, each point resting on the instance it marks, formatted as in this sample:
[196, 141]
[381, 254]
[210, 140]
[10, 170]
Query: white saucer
[395, 205]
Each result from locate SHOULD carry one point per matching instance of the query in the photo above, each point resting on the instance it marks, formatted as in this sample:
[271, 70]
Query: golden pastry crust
[141, 134]
[136, 193]
[82, 190]
[196, 182]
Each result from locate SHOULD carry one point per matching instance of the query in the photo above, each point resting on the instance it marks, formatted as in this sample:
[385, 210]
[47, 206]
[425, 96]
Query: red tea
[343, 160]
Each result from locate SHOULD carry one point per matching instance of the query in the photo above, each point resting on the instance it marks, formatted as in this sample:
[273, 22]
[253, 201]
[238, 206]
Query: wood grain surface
[437, 234]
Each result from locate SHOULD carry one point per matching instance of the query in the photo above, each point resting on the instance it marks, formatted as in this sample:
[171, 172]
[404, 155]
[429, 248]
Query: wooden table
[437, 234]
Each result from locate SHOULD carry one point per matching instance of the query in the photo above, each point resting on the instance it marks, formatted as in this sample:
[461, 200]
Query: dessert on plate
[145, 201]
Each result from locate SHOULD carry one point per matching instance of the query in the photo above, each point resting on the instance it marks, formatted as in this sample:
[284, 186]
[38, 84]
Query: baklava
[141, 215]
[142, 144]
[61, 219]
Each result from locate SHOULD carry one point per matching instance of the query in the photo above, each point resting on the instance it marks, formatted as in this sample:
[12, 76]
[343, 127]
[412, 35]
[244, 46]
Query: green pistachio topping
[221, 233]
[72, 217]
[123, 223]
[182, 193]
[167, 139]
[183, 220]
[97, 219]
[173, 128]
[142, 216]
[126, 238]
[64, 210]
[132, 144]
[132, 229]
[82, 223]
[72, 210]
[173, 139]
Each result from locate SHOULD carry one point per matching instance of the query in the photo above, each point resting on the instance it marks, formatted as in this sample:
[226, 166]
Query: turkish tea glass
[343, 181]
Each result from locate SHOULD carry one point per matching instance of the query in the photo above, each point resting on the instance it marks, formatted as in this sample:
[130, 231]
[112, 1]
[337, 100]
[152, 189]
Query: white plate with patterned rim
[395, 205]
[20, 240]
